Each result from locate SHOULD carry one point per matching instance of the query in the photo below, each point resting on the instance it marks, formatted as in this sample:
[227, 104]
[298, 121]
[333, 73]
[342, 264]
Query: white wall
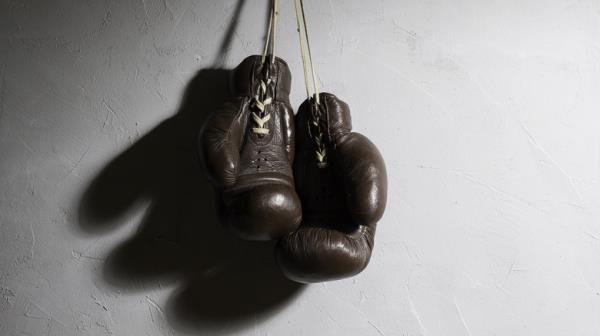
[487, 113]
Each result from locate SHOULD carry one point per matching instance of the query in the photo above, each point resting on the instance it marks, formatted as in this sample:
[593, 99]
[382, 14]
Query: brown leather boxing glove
[248, 150]
[342, 182]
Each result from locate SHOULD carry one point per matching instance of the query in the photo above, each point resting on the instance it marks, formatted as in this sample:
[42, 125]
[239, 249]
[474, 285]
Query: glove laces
[315, 130]
[263, 97]
[261, 101]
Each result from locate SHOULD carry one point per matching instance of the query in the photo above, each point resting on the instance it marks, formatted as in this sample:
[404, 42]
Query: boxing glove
[248, 151]
[342, 183]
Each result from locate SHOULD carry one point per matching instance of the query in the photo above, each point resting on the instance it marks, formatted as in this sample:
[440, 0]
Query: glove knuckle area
[365, 177]
[315, 254]
[263, 212]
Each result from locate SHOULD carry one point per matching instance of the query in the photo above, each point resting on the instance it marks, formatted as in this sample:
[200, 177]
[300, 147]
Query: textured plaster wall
[487, 113]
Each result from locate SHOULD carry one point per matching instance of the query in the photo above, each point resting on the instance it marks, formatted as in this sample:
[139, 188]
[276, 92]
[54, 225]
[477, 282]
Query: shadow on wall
[227, 283]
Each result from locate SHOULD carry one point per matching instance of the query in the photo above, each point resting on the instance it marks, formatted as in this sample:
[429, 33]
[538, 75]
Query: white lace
[261, 101]
[314, 124]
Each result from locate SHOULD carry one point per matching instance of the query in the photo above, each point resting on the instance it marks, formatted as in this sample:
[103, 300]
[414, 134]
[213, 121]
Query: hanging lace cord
[264, 92]
[315, 129]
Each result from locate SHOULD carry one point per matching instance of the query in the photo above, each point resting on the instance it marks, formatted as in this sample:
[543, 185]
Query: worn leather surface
[341, 203]
[253, 172]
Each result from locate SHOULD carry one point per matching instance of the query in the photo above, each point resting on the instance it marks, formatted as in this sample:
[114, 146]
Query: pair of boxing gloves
[307, 181]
